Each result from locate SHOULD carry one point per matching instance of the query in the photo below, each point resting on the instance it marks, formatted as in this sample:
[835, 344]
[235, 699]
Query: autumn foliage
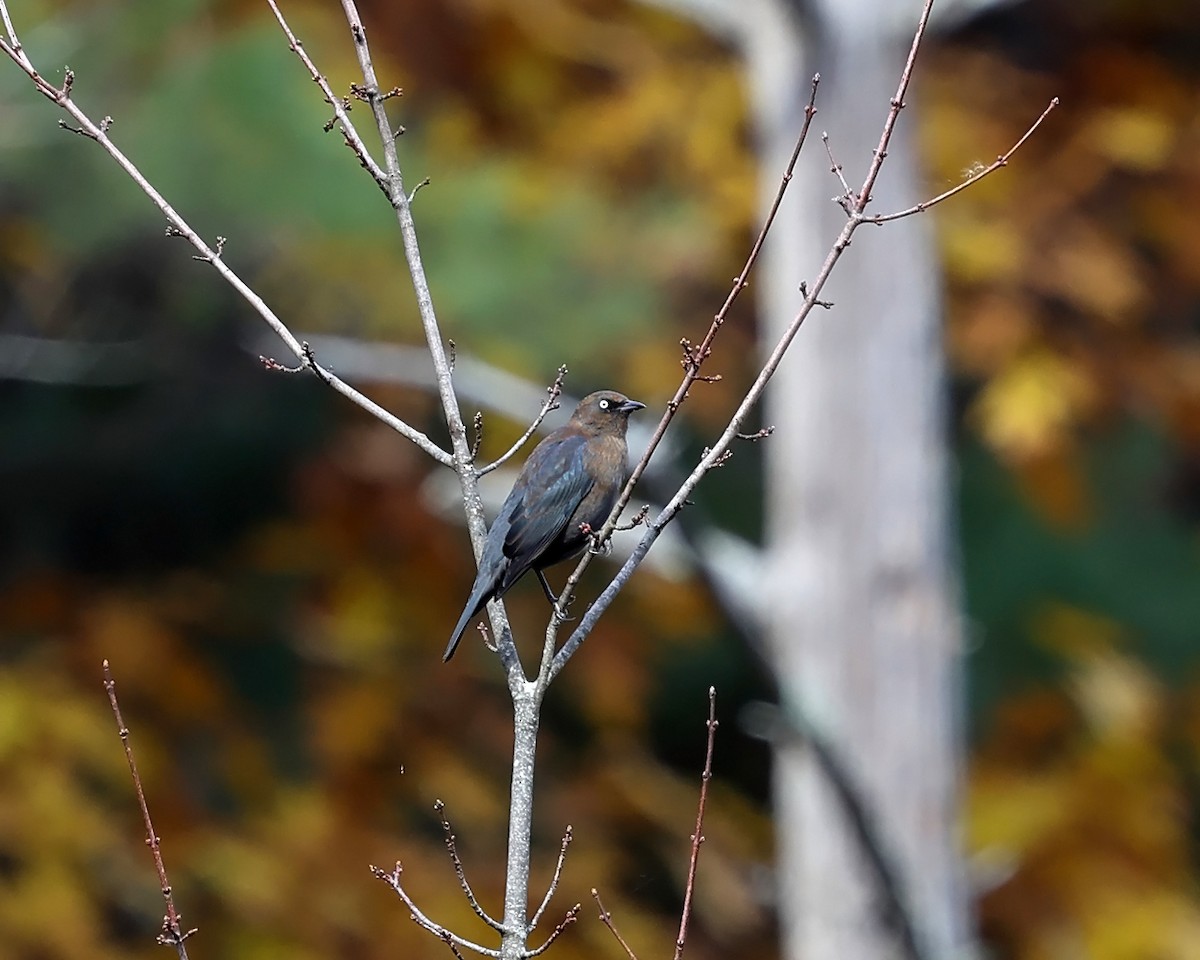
[273, 576]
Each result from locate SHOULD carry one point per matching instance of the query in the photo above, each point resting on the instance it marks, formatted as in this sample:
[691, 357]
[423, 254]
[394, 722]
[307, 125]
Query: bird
[572, 478]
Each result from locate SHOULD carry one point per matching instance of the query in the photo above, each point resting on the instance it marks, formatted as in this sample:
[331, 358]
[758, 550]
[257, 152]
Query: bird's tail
[474, 605]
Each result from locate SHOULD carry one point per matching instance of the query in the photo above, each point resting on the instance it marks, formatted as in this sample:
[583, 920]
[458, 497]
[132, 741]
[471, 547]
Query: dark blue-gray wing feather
[538, 510]
[548, 492]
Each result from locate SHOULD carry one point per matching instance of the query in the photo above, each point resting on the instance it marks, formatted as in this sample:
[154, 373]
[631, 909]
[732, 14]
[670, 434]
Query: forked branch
[974, 178]
[694, 358]
[392, 879]
[340, 105]
[10, 45]
[718, 452]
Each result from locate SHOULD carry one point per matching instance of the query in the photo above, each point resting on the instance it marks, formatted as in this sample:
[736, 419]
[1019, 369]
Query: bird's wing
[555, 482]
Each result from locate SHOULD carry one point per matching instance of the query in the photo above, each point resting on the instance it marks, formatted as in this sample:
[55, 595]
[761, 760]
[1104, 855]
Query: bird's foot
[595, 545]
[546, 588]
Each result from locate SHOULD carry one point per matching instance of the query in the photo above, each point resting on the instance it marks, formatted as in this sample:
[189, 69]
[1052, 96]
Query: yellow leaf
[1094, 270]
[1028, 409]
[1135, 138]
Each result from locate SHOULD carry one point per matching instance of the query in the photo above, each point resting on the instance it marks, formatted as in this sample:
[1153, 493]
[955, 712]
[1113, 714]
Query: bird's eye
[603, 404]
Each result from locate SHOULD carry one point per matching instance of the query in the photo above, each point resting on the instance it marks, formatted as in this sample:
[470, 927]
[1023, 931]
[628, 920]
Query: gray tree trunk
[859, 600]
[860, 605]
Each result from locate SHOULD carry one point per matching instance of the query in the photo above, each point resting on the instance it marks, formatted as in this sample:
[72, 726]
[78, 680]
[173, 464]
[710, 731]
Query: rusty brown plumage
[572, 478]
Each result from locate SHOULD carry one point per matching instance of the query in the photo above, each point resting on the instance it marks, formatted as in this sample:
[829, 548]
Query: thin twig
[835, 168]
[550, 403]
[693, 362]
[638, 519]
[525, 722]
[172, 932]
[571, 916]
[698, 837]
[452, 849]
[607, 920]
[558, 869]
[341, 108]
[1000, 161]
[897, 104]
[220, 249]
[390, 179]
[477, 430]
[9, 32]
[417, 189]
[442, 933]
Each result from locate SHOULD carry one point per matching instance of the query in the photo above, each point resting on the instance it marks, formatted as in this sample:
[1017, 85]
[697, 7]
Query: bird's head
[604, 411]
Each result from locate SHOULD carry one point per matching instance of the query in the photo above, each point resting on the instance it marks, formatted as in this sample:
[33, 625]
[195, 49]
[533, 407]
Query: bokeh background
[272, 574]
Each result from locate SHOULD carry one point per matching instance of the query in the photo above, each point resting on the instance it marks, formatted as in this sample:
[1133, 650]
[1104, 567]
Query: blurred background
[273, 574]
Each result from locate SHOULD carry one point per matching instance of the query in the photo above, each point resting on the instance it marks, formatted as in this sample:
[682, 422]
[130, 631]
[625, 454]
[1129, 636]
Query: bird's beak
[630, 405]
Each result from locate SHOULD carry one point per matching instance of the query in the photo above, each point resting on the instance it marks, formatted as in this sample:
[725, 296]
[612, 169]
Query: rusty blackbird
[572, 478]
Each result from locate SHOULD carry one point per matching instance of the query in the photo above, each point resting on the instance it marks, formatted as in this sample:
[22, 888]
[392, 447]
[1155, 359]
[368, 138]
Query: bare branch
[9, 32]
[716, 454]
[550, 403]
[461, 458]
[823, 304]
[571, 916]
[70, 129]
[341, 106]
[607, 920]
[417, 188]
[847, 196]
[698, 836]
[558, 868]
[638, 519]
[453, 949]
[172, 932]
[442, 933]
[221, 241]
[452, 849]
[1000, 161]
[897, 104]
[695, 359]
[97, 132]
[270, 363]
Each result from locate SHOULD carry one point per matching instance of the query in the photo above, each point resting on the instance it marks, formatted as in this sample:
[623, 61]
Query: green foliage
[1130, 562]
[531, 281]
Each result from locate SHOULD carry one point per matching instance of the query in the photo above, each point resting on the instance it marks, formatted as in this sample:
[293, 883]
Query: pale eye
[603, 404]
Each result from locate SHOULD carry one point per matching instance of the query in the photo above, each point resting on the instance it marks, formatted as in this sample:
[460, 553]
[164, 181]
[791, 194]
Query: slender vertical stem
[685, 915]
[172, 933]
